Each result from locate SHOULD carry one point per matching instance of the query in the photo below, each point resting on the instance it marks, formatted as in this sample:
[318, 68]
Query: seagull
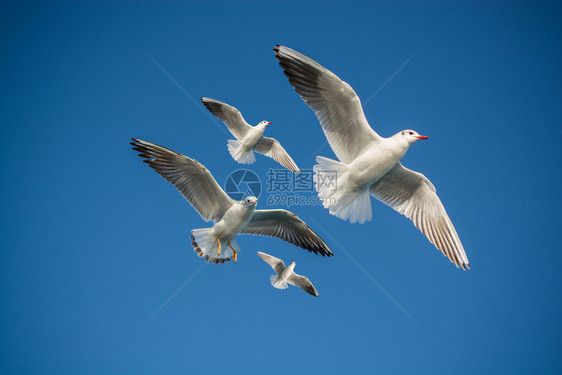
[230, 217]
[248, 138]
[287, 275]
[368, 163]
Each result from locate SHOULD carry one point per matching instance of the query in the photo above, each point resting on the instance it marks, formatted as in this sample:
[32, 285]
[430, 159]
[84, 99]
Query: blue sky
[93, 242]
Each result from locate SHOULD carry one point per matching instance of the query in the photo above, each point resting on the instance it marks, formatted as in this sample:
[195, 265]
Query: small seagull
[368, 163]
[248, 138]
[287, 275]
[230, 217]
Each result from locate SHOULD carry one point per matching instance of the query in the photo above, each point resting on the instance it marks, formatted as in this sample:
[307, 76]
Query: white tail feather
[329, 178]
[274, 279]
[239, 154]
[205, 244]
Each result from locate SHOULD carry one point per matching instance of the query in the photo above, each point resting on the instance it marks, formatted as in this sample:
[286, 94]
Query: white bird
[248, 138]
[286, 275]
[369, 163]
[230, 217]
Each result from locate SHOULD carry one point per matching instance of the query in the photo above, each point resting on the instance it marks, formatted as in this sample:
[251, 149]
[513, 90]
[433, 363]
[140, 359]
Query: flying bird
[248, 138]
[368, 163]
[285, 274]
[230, 217]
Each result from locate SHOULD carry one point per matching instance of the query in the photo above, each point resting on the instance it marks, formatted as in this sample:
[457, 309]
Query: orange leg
[235, 257]
[218, 240]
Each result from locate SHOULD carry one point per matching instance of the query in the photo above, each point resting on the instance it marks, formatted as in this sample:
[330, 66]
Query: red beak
[422, 137]
[268, 123]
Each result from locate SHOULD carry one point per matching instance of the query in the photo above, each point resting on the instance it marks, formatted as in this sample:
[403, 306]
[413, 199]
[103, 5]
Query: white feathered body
[228, 227]
[233, 221]
[374, 163]
[348, 197]
[280, 281]
[242, 150]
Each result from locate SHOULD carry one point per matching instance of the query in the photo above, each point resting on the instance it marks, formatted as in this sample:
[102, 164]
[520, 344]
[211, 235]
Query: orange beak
[422, 137]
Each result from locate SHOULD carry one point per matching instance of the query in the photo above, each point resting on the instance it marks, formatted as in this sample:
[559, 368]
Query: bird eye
[411, 133]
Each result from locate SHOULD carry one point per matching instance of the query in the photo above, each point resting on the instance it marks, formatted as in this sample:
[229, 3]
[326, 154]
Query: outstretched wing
[302, 282]
[275, 263]
[334, 102]
[288, 227]
[189, 176]
[272, 148]
[414, 196]
[229, 115]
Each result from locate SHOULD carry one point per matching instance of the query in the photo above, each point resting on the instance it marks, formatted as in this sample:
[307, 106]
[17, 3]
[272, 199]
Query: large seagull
[368, 163]
[231, 218]
[248, 138]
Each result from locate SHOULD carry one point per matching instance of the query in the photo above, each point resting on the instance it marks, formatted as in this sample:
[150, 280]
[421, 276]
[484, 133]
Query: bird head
[411, 136]
[250, 201]
[292, 265]
[264, 123]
